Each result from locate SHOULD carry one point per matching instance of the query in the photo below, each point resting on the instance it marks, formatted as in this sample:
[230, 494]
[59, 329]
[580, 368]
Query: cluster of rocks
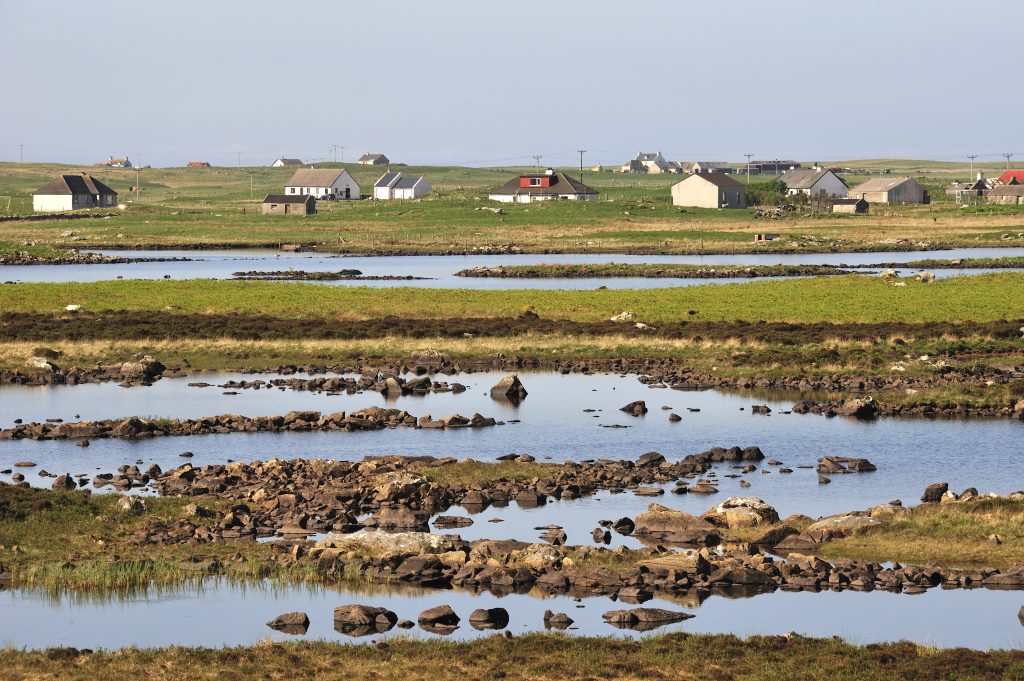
[868, 408]
[388, 385]
[75, 257]
[372, 418]
[302, 275]
[138, 370]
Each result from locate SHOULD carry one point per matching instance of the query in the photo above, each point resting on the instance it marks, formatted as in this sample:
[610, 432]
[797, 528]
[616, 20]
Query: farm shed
[890, 190]
[73, 192]
[849, 206]
[289, 204]
[709, 190]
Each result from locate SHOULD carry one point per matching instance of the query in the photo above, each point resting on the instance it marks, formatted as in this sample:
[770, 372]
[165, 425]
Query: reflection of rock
[489, 618]
[452, 521]
[643, 619]
[294, 623]
[363, 620]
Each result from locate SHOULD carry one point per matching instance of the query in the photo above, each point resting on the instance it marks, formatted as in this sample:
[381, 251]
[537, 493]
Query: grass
[966, 263]
[215, 207]
[531, 656]
[8, 250]
[842, 299]
[475, 472]
[949, 534]
[558, 271]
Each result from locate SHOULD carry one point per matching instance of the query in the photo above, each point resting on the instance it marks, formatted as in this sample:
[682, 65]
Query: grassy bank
[196, 207]
[963, 263]
[532, 656]
[824, 299]
[556, 271]
[955, 534]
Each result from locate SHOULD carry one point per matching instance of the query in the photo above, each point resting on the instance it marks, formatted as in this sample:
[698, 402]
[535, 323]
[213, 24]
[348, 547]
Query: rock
[624, 526]
[489, 618]
[142, 367]
[390, 545]
[509, 388]
[601, 535]
[839, 525]
[643, 619]
[933, 493]
[650, 459]
[739, 512]
[741, 575]
[624, 316]
[362, 620]
[822, 480]
[441, 615]
[64, 482]
[452, 521]
[127, 504]
[559, 620]
[664, 523]
[42, 364]
[295, 623]
[637, 408]
[861, 408]
[674, 417]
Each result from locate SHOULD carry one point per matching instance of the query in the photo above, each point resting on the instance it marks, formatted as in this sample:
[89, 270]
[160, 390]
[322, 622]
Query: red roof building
[1012, 177]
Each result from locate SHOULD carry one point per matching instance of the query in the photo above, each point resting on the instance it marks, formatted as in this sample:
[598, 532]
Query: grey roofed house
[373, 160]
[891, 190]
[561, 184]
[289, 204]
[1011, 194]
[804, 178]
[314, 177]
[287, 162]
[64, 185]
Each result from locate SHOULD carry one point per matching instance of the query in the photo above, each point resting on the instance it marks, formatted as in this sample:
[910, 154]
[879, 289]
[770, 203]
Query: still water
[221, 613]
[439, 271]
[551, 425]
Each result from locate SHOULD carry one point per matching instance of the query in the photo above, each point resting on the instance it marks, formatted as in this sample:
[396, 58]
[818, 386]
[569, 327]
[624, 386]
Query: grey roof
[314, 177]
[386, 179]
[290, 161]
[561, 185]
[805, 178]
[397, 180]
[1007, 190]
[967, 186]
[288, 198]
[711, 164]
[717, 179]
[372, 157]
[847, 202]
[407, 181]
[644, 156]
[64, 185]
[880, 184]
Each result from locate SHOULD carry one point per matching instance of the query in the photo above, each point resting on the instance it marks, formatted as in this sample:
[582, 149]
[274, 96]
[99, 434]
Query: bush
[770, 193]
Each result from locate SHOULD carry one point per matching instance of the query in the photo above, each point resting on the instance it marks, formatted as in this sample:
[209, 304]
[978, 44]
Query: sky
[473, 82]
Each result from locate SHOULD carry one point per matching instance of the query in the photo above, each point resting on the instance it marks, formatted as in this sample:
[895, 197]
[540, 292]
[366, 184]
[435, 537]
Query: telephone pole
[748, 166]
[239, 159]
[21, 153]
[536, 161]
[972, 157]
[334, 148]
[581, 152]
[1008, 157]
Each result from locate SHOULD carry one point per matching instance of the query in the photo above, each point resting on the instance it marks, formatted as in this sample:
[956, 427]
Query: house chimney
[549, 171]
[981, 175]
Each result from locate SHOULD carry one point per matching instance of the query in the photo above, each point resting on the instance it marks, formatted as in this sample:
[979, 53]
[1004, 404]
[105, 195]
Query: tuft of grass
[475, 472]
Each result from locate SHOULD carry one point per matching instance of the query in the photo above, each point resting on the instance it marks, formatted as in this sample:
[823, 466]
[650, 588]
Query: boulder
[933, 493]
[741, 575]
[643, 619]
[637, 408]
[738, 512]
[142, 366]
[295, 623]
[128, 504]
[441, 615]
[650, 459]
[624, 526]
[839, 525]
[64, 482]
[510, 388]
[661, 522]
[362, 620]
[861, 408]
[390, 545]
[489, 618]
[559, 620]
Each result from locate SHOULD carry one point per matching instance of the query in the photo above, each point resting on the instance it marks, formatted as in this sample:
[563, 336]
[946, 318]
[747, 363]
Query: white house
[323, 183]
[73, 192]
[282, 162]
[546, 186]
[373, 160]
[648, 162]
[399, 186]
[815, 182]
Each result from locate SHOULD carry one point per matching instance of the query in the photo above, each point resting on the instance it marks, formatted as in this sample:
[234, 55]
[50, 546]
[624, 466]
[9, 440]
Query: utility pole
[250, 184]
[748, 166]
[138, 159]
[581, 152]
[239, 159]
[536, 161]
[138, 183]
[334, 148]
[21, 153]
[972, 157]
[1008, 157]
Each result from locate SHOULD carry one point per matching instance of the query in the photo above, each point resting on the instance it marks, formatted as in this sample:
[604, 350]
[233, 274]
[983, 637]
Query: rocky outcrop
[643, 619]
[677, 527]
[363, 620]
[509, 388]
[740, 512]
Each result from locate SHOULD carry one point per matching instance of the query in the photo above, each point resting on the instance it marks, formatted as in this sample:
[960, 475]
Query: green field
[851, 298]
[219, 207]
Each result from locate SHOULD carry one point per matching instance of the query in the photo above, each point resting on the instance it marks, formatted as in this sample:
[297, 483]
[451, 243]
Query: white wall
[48, 203]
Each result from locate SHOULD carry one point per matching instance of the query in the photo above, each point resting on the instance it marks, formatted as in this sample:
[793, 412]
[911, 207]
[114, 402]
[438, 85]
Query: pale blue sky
[487, 83]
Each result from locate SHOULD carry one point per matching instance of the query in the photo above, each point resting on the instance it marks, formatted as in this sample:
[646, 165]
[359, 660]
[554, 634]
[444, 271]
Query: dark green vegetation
[962, 263]
[556, 271]
[533, 656]
[196, 207]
